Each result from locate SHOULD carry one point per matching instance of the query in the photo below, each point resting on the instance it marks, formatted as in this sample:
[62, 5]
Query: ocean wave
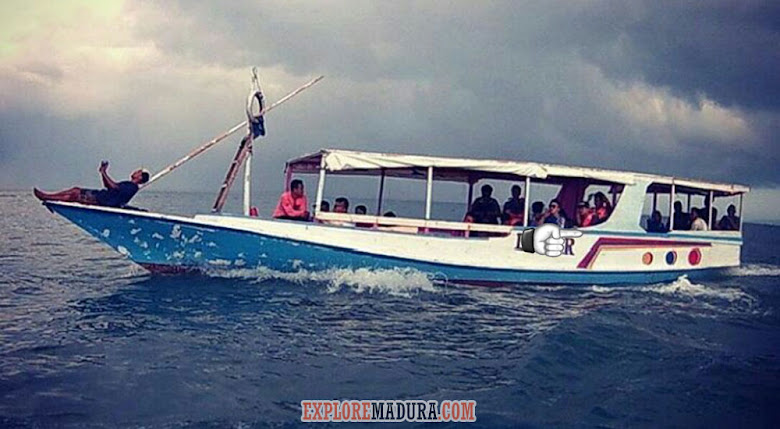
[601, 289]
[684, 287]
[755, 270]
[397, 281]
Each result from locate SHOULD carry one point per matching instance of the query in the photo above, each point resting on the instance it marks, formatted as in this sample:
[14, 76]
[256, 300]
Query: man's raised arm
[107, 181]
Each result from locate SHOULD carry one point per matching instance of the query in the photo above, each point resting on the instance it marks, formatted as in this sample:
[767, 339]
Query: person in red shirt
[584, 214]
[602, 208]
[292, 204]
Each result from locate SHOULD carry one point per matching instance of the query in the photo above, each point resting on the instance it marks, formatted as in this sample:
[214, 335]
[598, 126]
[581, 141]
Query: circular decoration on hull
[647, 258]
[694, 258]
[671, 257]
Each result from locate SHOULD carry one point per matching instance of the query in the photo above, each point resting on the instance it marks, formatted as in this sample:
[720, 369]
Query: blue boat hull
[176, 245]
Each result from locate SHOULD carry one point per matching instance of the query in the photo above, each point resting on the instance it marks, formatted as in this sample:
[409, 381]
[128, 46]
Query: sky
[683, 88]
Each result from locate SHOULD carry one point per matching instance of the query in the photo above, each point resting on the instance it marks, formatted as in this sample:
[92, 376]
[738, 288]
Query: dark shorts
[89, 196]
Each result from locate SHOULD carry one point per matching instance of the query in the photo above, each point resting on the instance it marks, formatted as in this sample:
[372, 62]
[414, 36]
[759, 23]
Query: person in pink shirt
[292, 204]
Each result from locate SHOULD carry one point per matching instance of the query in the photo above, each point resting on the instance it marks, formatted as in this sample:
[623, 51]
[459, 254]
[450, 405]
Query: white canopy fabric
[461, 169]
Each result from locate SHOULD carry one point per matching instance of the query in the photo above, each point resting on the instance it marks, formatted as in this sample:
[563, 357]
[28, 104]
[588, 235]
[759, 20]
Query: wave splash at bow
[404, 282]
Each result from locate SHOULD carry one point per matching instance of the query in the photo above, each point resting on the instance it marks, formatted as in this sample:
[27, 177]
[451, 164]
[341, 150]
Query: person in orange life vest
[292, 204]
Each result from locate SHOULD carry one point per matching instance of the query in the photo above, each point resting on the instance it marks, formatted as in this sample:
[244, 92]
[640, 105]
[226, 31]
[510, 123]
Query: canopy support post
[741, 215]
[709, 216]
[381, 193]
[247, 182]
[428, 194]
[471, 195]
[527, 200]
[320, 190]
[671, 208]
[655, 202]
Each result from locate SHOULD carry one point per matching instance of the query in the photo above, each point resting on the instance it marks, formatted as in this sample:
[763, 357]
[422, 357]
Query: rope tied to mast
[255, 121]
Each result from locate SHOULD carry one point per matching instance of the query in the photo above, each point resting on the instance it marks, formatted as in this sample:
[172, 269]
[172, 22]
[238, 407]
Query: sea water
[88, 339]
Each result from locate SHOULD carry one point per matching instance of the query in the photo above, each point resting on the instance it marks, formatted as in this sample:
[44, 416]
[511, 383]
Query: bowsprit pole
[197, 151]
[209, 144]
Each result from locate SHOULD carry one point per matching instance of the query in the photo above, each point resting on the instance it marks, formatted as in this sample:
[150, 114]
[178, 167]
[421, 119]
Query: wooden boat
[618, 250]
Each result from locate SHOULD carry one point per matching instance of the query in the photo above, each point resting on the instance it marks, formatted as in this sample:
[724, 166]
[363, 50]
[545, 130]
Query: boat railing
[413, 226]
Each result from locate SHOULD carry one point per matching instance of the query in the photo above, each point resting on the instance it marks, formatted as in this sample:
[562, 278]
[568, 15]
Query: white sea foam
[398, 281]
[755, 270]
[684, 287]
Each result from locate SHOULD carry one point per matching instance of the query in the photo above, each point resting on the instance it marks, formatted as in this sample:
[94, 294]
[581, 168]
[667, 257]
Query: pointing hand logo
[548, 239]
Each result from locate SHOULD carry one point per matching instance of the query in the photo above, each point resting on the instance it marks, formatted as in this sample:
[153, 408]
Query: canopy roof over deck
[340, 161]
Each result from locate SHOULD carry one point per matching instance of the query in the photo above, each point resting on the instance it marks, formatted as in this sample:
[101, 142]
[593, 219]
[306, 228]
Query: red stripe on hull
[632, 242]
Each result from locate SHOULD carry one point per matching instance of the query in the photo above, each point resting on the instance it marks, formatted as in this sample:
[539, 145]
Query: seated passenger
[681, 220]
[362, 210]
[656, 223]
[584, 214]
[292, 204]
[714, 219]
[393, 226]
[486, 208]
[114, 195]
[601, 208]
[341, 205]
[704, 212]
[554, 215]
[469, 218]
[730, 222]
[537, 214]
[568, 222]
[324, 207]
[514, 208]
[697, 223]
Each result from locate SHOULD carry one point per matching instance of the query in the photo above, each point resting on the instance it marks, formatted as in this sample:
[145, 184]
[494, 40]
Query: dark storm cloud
[506, 61]
[681, 88]
[725, 49]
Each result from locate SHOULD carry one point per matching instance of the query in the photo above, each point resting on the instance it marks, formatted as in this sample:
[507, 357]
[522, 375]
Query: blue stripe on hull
[179, 245]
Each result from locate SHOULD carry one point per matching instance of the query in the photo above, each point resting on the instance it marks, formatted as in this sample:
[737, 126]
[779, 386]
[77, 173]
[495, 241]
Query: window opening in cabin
[726, 212]
[656, 209]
